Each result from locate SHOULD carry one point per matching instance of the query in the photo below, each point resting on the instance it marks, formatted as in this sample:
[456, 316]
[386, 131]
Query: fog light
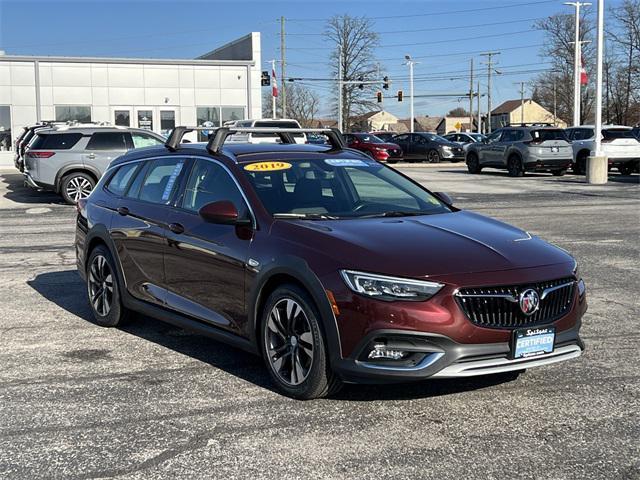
[381, 351]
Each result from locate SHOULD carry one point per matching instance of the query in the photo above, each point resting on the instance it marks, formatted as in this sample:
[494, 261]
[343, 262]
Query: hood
[425, 246]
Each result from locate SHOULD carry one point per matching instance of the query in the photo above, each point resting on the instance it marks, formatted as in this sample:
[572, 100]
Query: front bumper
[438, 356]
[455, 155]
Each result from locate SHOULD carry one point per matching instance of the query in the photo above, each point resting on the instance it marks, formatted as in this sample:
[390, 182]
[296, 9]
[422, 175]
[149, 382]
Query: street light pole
[489, 56]
[410, 62]
[576, 63]
[597, 163]
[340, 88]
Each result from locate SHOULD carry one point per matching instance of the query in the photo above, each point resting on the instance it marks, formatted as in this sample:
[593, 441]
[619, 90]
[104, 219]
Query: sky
[443, 35]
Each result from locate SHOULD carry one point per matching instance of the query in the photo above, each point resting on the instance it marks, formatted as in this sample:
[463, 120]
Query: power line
[449, 12]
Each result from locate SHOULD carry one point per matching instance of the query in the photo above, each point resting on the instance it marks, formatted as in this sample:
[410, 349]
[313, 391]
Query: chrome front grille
[499, 307]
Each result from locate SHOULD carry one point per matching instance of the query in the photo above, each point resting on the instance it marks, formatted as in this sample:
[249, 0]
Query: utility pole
[411, 63]
[274, 89]
[555, 104]
[471, 99]
[340, 88]
[576, 63]
[489, 56]
[283, 62]
[479, 114]
[521, 102]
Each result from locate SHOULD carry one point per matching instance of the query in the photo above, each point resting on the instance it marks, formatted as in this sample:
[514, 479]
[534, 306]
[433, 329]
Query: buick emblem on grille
[529, 301]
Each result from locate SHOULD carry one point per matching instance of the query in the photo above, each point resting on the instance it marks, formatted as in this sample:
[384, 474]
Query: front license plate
[555, 149]
[531, 342]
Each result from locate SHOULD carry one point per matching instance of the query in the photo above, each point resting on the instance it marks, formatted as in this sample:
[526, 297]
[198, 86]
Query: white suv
[266, 137]
[619, 144]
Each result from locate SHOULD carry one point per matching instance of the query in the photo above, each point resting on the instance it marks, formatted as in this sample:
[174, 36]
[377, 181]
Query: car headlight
[446, 147]
[389, 288]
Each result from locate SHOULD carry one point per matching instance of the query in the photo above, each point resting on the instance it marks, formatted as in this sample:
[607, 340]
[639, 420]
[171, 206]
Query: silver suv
[520, 149]
[70, 160]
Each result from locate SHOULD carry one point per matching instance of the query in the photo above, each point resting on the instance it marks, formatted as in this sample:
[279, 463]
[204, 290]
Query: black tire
[101, 275]
[473, 164]
[433, 156]
[391, 161]
[514, 166]
[580, 166]
[313, 378]
[76, 185]
[559, 173]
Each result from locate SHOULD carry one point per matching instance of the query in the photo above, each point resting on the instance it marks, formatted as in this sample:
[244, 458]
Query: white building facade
[154, 94]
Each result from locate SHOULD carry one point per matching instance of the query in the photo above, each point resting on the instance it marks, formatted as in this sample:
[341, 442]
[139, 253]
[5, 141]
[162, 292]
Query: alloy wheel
[433, 156]
[289, 342]
[100, 286]
[78, 187]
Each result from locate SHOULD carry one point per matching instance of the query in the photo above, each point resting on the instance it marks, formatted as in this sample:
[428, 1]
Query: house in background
[455, 124]
[422, 124]
[509, 112]
[373, 121]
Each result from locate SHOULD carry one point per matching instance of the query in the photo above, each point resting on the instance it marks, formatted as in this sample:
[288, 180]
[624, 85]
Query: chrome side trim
[498, 365]
[429, 359]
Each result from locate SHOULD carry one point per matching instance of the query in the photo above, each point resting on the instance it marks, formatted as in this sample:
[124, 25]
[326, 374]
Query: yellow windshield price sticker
[267, 166]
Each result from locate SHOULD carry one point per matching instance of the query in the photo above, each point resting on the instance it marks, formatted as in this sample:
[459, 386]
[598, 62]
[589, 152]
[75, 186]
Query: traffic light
[265, 80]
[399, 95]
[360, 85]
[379, 96]
[385, 85]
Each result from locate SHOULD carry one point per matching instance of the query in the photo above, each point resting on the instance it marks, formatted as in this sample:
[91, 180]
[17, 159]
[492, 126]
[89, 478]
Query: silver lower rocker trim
[498, 365]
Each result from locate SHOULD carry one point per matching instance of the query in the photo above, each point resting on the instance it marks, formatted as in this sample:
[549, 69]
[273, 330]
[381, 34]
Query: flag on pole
[274, 84]
[584, 79]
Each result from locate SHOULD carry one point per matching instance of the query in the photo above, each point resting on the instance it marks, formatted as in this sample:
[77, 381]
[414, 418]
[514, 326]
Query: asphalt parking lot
[150, 401]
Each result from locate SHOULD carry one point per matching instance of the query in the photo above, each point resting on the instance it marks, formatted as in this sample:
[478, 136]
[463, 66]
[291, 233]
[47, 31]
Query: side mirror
[222, 212]
[444, 197]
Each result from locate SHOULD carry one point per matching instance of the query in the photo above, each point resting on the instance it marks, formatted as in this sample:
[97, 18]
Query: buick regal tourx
[331, 266]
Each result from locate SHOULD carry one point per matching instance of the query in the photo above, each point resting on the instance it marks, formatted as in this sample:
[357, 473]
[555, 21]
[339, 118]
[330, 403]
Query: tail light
[533, 142]
[40, 154]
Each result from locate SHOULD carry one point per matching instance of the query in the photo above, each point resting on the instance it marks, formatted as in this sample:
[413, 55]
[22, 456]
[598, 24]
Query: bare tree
[559, 32]
[302, 104]
[458, 112]
[354, 43]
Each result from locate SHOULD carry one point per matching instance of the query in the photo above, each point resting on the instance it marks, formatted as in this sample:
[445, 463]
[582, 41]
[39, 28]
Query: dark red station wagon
[331, 266]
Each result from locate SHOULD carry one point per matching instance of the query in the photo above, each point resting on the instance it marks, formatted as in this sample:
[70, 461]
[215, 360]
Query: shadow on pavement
[18, 192]
[66, 289]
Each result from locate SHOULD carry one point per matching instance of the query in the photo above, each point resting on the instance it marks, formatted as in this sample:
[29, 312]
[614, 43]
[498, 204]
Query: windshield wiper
[305, 216]
[394, 213]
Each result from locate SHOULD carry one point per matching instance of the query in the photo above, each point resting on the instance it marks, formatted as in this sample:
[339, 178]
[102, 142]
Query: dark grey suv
[423, 146]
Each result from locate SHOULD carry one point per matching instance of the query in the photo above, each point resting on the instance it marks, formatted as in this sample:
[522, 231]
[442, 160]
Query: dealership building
[154, 94]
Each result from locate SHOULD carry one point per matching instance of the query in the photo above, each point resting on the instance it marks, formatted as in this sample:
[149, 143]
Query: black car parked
[422, 146]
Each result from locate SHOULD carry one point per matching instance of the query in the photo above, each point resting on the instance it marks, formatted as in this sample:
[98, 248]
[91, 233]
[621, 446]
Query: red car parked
[374, 147]
[328, 264]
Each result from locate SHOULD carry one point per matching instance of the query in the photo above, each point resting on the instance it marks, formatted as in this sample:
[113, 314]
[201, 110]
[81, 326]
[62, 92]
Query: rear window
[107, 141]
[548, 134]
[55, 141]
[267, 124]
[613, 133]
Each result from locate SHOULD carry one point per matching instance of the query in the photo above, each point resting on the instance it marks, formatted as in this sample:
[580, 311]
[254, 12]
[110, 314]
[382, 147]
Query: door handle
[124, 211]
[176, 228]
[91, 156]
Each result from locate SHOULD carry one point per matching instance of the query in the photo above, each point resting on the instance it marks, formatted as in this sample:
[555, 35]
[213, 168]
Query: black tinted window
[107, 141]
[55, 141]
[612, 133]
[160, 180]
[121, 179]
[209, 182]
[548, 134]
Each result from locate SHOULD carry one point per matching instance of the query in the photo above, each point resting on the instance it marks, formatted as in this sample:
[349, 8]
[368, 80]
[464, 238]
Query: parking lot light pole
[411, 63]
[576, 63]
[597, 163]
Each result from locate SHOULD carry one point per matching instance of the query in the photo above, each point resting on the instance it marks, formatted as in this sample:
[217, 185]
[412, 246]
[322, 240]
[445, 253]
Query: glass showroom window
[5, 128]
[167, 121]
[73, 113]
[231, 114]
[122, 118]
[145, 119]
[207, 117]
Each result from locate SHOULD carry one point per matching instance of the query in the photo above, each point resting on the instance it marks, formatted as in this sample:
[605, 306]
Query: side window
[494, 137]
[57, 141]
[160, 181]
[401, 138]
[120, 180]
[348, 138]
[210, 182]
[569, 133]
[107, 141]
[143, 140]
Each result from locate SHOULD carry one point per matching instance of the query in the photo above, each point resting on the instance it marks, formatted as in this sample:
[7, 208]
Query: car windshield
[337, 188]
[478, 137]
[369, 138]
